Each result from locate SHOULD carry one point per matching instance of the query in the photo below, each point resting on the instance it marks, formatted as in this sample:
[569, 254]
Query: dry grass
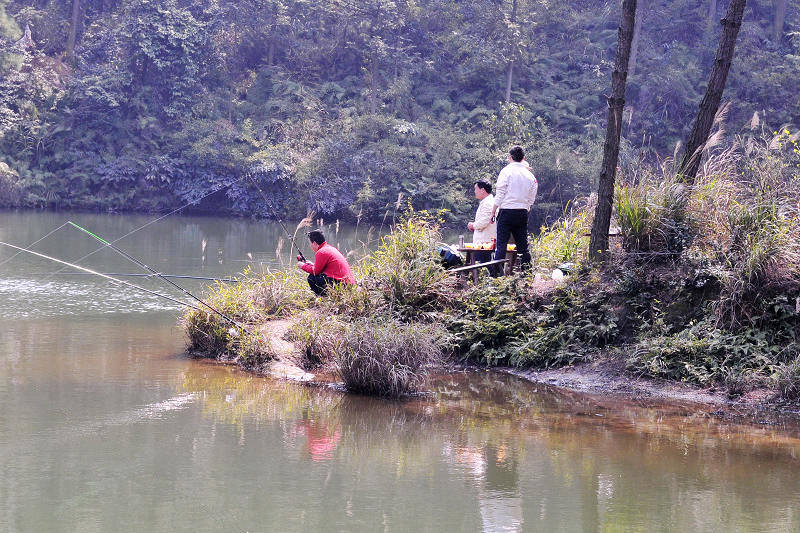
[386, 358]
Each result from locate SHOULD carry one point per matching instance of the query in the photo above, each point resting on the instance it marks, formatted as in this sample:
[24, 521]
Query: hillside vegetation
[343, 108]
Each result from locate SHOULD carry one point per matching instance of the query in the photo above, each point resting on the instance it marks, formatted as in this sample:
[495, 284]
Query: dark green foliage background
[344, 107]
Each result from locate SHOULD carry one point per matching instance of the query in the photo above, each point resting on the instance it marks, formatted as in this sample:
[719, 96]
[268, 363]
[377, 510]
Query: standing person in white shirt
[483, 228]
[516, 192]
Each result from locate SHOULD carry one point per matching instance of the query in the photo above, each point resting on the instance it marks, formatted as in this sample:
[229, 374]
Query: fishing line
[34, 243]
[156, 273]
[136, 275]
[153, 221]
[115, 280]
[291, 239]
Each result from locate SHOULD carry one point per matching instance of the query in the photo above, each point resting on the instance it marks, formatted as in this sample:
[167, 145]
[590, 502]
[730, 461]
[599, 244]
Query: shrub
[279, 293]
[507, 322]
[565, 241]
[318, 337]
[406, 270]
[652, 217]
[251, 301]
[386, 358]
[252, 350]
[10, 193]
[786, 379]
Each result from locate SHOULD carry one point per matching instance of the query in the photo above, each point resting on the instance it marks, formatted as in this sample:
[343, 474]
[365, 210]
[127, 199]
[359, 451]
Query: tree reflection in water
[529, 454]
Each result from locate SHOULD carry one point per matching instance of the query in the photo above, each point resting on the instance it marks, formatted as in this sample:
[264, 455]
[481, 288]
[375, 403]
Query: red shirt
[330, 261]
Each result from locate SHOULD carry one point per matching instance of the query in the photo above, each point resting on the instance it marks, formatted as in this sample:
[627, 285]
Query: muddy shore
[605, 378]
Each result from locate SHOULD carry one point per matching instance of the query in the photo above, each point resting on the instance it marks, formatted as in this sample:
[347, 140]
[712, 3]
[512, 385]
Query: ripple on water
[29, 298]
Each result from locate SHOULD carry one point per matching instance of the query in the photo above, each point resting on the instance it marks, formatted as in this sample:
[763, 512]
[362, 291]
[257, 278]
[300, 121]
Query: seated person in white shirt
[516, 192]
[483, 227]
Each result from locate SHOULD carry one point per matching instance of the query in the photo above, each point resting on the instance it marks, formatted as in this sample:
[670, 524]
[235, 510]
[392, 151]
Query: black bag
[450, 257]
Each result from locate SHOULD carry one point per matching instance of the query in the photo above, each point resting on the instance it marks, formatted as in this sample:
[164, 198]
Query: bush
[652, 217]
[249, 302]
[565, 241]
[406, 270]
[10, 193]
[278, 293]
[386, 358]
[508, 322]
[786, 379]
[252, 350]
[317, 336]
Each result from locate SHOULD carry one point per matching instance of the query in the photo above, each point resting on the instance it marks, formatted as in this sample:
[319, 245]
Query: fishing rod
[157, 274]
[31, 245]
[162, 217]
[300, 255]
[129, 274]
[89, 271]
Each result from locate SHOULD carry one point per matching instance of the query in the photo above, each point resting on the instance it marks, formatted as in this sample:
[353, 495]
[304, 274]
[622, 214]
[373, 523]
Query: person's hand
[300, 265]
[471, 226]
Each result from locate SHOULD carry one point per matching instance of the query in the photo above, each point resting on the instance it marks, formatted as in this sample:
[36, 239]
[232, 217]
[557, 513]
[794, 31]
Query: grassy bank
[703, 286]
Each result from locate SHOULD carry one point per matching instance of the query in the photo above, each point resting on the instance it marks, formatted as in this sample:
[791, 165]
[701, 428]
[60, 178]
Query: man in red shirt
[329, 267]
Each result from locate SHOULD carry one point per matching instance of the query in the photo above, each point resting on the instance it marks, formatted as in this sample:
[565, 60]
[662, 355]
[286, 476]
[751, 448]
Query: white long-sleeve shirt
[485, 229]
[516, 187]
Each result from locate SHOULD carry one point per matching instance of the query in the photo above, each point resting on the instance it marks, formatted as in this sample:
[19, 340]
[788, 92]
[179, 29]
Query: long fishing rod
[31, 245]
[135, 275]
[300, 255]
[157, 274]
[184, 206]
[89, 271]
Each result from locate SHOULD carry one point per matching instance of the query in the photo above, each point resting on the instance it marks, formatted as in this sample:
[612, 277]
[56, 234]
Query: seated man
[329, 267]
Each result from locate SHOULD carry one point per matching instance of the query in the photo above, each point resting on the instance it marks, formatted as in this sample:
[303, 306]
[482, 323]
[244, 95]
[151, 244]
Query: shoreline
[603, 379]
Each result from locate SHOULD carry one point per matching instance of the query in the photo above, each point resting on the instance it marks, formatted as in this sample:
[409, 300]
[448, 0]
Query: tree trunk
[780, 18]
[598, 244]
[712, 14]
[510, 76]
[271, 53]
[637, 29]
[716, 85]
[73, 29]
[373, 86]
[508, 80]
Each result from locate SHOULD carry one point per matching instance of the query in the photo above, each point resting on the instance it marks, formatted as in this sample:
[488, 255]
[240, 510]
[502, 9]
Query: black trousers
[319, 283]
[483, 256]
[513, 222]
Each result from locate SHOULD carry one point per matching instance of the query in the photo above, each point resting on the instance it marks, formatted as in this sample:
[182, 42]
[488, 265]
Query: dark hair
[316, 236]
[517, 153]
[485, 185]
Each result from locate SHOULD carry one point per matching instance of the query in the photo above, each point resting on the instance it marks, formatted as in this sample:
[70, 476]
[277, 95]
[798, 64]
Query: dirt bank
[608, 377]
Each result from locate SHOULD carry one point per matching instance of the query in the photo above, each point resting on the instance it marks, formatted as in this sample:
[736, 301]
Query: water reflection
[104, 426]
[531, 456]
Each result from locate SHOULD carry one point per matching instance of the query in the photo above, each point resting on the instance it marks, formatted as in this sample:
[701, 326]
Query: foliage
[564, 241]
[386, 358]
[703, 352]
[406, 271]
[652, 217]
[343, 108]
[9, 189]
[508, 323]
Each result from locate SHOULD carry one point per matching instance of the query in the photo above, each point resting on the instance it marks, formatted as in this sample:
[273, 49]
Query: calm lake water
[105, 424]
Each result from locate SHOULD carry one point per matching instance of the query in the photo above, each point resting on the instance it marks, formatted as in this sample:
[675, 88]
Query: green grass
[704, 289]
